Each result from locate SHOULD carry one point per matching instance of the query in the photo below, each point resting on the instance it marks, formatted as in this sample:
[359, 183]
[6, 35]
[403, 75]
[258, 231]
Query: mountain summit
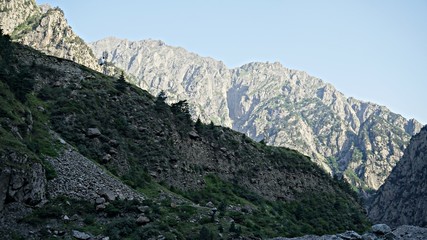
[46, 29]
[284, 107]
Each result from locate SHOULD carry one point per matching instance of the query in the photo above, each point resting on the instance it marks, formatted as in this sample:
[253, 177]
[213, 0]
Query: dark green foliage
[311, 214]
[199, 125]
[20, 82]
[151, 142]
[161, 105]
[121, 206]
[50, 171]
[205, 234]
[121, 229]
[161, 97]
[58, 207]
[121, 84]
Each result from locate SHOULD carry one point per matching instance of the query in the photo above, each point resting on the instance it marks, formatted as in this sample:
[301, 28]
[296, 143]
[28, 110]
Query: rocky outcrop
[267, 101]
[403, 197]
[14, 13]
[45, 29]
[22, 181]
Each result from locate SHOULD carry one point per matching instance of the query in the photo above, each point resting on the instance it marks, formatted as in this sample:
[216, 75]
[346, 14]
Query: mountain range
[86, 155]
[283, 107]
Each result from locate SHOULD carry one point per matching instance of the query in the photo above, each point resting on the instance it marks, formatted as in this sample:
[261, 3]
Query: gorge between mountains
[253, 152]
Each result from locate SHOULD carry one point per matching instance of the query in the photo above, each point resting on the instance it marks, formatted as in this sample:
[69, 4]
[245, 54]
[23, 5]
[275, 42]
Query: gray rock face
[267, 101]
[45, 29]
[14, 13]
[403, 197]
[24, 184]
[381, 229]
[93, 132]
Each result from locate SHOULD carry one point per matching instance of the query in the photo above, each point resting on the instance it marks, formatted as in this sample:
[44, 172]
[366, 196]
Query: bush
[121, 229]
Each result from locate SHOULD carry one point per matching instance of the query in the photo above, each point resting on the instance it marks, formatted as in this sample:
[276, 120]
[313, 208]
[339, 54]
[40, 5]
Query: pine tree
[161, 97]
[121, 84]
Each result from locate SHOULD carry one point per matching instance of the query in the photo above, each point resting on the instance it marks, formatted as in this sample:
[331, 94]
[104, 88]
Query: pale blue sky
[373, 50]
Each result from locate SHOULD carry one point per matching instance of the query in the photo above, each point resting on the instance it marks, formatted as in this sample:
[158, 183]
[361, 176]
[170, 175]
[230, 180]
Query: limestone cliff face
[14, 13]
[268, 101]
[44, 29]
[183, 75]
[403, 197]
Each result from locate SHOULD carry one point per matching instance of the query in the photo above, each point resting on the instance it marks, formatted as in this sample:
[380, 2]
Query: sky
[372, 50]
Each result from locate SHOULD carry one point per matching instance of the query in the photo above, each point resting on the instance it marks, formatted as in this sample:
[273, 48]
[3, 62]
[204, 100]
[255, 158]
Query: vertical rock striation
[403, 197]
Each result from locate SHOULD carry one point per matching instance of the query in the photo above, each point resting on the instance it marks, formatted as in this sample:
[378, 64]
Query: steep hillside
[101, 156]
[403, 197]
[267, 101]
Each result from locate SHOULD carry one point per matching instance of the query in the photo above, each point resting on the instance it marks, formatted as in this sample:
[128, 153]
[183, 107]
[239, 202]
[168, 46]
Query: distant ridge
[267, 101]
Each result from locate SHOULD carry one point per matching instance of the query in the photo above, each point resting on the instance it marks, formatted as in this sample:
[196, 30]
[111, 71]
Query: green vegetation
[152, 146]
[258, 217]
[22, 124]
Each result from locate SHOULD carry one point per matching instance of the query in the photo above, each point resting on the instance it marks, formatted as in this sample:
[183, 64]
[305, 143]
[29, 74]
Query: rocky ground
[378, 232]
[80, 177]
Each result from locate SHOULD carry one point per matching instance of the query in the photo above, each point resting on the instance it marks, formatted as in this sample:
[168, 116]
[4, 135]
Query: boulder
[144, 209]
[108, 195]
[100, 207]
[210, 204]
[142, 220]
[100, 200]
[350, 235]
[369, 236]
[193, 135]
[381, 229]
[93, 132]
[80, 235]
[106, 158]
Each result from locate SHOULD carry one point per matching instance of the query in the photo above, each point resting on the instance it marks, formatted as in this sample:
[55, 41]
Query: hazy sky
[373, 50]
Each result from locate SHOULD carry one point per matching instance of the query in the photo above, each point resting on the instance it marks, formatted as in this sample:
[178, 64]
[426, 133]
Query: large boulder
[93, 132]
[20, 183]
[381, 229]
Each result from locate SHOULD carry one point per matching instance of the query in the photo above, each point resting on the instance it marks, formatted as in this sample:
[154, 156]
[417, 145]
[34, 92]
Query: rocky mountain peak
[15, 12]
[46, 29]
[285, 107]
